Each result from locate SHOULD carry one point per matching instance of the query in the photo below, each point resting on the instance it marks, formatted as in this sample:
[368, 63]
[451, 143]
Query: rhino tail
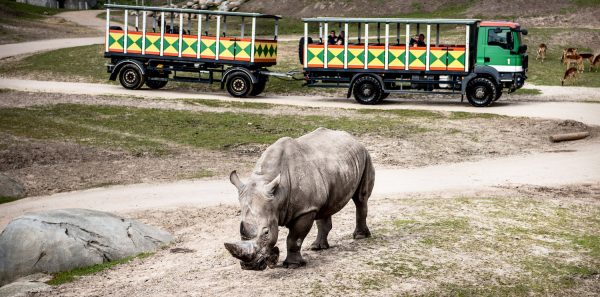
[365, 187]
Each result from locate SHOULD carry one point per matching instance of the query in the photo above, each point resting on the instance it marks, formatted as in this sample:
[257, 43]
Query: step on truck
[153, 45]
[374, 57]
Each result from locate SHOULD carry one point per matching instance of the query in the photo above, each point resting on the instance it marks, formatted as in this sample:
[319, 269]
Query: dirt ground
[499, 242]
[49, 166]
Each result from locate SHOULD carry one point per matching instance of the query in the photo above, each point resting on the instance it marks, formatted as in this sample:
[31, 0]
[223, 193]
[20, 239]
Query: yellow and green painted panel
[356, 56]
[116, 41]
[134, 42]
[456, 58]
[171, 45]
[335, 56]
[152, 43]
[208, 47]
[265, 50]
[396, 57]
[315, 56]
[437, 58]
[376, 57]
[243, 49]
[417, 58]
[189, 46]
[227, 48]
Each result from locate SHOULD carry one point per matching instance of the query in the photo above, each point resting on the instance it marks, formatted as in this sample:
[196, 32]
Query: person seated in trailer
[341, 38]
[419, 41]
[331, 39]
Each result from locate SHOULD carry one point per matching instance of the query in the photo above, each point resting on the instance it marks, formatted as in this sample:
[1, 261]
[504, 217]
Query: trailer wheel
[239, 84]
[481, 92]
[131, 77]
[259, 87]
[156, 84]
[383, 96]
[367, 90]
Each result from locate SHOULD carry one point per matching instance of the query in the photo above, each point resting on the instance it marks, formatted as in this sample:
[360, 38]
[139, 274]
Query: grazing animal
[575, 59]
[595, 63]
[296, 182]
[541, 52]
[589, 57]
[570, 74]
[566, 52]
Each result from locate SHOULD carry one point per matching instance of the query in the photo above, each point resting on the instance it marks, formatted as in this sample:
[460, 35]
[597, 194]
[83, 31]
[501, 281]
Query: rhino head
[259, 226]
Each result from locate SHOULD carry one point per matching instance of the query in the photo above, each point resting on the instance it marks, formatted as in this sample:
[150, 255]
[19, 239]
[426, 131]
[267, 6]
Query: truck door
[497, 51]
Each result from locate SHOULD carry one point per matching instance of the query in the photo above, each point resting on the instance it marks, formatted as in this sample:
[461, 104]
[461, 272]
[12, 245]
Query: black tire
[367, 90]
[383, 96]
[156, 84]
[498, 95]
[481, 92]
[239, 84]
[259, 87]
[131, 77]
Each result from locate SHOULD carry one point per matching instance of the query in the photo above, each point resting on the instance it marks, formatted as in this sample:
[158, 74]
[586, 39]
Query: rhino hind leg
[361, 231]
[361, 197]
[323, 226]
[298, 231]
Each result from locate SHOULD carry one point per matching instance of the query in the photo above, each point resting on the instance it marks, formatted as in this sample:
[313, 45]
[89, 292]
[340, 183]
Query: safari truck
[168, 44]
[479, 59]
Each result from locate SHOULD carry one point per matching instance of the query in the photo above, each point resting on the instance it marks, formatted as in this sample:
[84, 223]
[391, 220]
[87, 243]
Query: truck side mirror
[524, 31]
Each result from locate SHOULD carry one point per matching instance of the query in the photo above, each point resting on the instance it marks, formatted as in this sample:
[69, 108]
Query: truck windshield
[502, 39]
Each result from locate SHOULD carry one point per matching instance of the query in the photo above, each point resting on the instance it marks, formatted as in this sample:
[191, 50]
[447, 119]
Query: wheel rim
[238, 85]
[367, 91]
[480, 94]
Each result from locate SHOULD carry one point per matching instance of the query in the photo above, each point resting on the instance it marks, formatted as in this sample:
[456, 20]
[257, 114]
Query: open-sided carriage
[188, 45]
[381, 56]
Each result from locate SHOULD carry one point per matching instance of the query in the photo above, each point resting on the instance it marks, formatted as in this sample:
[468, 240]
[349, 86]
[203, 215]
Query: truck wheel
[156, 84]
[131, 77]
[259, 87]
[367, 90]
[481, 92]
[498, 95]
[239, 84]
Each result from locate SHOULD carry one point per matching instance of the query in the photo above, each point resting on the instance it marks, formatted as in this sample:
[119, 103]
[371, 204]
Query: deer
[596, 63]
[570, 74]
[541, 52]
[568, 51]
[574, 59]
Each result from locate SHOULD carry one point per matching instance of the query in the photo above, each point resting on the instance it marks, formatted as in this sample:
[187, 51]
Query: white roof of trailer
[193, 11]
[391, 20]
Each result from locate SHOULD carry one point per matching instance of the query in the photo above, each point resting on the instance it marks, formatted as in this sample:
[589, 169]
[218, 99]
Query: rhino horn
[235, 180]
[243, 250]
[272, 186]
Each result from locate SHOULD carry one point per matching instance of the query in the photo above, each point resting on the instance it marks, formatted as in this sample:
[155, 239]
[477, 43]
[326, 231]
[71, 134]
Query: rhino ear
[272, 186]
[235, 180]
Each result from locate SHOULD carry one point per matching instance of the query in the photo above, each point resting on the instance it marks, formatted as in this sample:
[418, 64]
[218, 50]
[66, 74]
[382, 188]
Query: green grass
[528, 92]
[456, 115]
[13, 9]
[149, 130]
[7, 199]
[72, 275]
[229, 104]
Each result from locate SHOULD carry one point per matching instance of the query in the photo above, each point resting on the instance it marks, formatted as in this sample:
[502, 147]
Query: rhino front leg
[324, 226]
[298, 231]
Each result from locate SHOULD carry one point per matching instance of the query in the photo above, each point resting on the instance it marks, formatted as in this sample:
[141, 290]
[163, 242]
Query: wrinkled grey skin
[296, 182]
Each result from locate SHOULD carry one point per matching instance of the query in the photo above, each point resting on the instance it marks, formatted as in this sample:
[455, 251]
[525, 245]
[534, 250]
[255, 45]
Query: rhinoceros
[294, 183]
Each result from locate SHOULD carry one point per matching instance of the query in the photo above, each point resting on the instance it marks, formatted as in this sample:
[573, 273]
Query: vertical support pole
[243, 27]
[145, 14]
[154, 21]
[180, 34]
[207, 24]
[224, 26]
[398, 33]
[359, 33]
[366, 45]
[253, 39]
[428, 51]
[137, 17]
[418, 29]
[199, 44]
[378, 33]
[437, 35]
[125, 33]
[276, 28]
[407, 50]
[172, 28]
[321, 32]
[305, 49]
[162, 32]
[346, 46]
[218, 35]
[467, 47]
[325, 47]
[387, 45]
[107, 37]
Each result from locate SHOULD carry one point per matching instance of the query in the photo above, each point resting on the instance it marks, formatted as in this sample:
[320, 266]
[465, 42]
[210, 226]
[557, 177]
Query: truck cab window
[502, 39]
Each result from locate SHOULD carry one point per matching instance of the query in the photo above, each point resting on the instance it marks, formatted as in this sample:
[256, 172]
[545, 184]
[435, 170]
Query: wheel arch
[120, 64]
[482, 71]
[229, 71]
[359, 75]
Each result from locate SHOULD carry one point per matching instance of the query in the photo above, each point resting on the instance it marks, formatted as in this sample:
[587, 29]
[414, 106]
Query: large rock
[10, 187]
[60, 240]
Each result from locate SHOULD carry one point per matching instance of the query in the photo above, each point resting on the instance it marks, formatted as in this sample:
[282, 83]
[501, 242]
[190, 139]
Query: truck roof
[512, 25]
[193, 11]
[391, 20]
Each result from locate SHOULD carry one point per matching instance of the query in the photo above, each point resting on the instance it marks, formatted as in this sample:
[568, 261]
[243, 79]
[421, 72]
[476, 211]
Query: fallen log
[569, 136]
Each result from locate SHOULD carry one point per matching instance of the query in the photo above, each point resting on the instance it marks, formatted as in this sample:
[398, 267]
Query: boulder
[61, 240]
[27, 286]
[10, 187]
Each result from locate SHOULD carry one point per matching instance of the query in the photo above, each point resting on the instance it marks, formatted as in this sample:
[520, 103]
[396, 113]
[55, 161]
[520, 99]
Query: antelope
[568, 51]
[570, 74]
[574, 59]
[541, 52]
[589, 57]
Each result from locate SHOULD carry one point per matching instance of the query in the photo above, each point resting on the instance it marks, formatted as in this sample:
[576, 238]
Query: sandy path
[14, 49]
[86, 18]
[578, 164]
[588, 113]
